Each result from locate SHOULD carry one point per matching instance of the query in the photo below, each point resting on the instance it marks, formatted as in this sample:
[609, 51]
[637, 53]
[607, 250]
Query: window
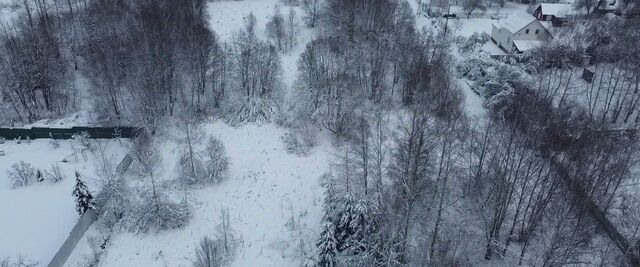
[537, 31]
[526, 31]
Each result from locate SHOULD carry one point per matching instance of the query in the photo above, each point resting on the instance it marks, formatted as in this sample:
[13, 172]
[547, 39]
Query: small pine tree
[84, 199]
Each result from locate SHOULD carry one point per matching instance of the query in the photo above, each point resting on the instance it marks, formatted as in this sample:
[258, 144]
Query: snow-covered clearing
[36, 219]
[265, 188]
[226, 18]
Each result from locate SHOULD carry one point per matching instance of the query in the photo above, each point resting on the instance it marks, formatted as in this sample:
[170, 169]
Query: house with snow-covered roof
[519, 32]
[558, 14]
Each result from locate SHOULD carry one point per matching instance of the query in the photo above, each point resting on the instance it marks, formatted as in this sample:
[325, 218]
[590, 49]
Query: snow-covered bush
[208, 165]
[216, 162]
[19, 262]
[82, 144]
[221, 250]
[22, 174]
[211, 253]
[490, 77]
[55, 174]
[473, 42]
[300, 140]
[252, 110]
[157, 212]
[191, 168]
[83, 140]
[113, 202]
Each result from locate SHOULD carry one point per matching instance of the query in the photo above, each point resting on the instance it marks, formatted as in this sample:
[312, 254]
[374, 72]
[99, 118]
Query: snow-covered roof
[611, 16]
[524, 45]
[516, 21]
[558, 10]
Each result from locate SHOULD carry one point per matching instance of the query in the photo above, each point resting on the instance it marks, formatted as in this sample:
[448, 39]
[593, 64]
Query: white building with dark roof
[519, 32]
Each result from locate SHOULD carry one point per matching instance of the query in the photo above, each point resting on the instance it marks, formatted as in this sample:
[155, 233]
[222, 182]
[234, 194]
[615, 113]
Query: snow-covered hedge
[253, 110]
[490, 77]
[473, 43]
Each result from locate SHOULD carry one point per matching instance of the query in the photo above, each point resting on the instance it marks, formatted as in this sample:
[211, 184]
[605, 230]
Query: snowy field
[266, 188]
[37, 218]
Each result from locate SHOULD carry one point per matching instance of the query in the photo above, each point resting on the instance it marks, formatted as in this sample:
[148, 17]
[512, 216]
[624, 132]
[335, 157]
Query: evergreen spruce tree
[359, 226]
[84, 199]
[343, 229]
[327, 245]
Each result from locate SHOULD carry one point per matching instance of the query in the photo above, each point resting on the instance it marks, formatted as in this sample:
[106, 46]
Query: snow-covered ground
[36, 219]
[265, 188]
[226, 18]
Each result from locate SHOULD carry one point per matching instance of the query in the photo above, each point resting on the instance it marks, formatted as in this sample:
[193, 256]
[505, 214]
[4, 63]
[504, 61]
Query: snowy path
[82, 98]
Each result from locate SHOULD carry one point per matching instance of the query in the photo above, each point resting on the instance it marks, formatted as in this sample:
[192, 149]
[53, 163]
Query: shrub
[55, 175]
[219, 251]
[210, 253]
[158, 212]
[299, 140]
[22, 174]
[191, 168]
[474, 42]
[216, 162]
[250, 110]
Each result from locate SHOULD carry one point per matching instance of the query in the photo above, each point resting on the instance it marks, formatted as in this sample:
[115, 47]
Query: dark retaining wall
[67, 133]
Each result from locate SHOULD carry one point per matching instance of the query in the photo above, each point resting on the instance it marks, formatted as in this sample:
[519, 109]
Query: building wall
[538, 13]
[534, 26]
[503, 38]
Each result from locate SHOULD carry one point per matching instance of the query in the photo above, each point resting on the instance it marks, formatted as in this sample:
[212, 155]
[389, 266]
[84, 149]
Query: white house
[519, 32]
